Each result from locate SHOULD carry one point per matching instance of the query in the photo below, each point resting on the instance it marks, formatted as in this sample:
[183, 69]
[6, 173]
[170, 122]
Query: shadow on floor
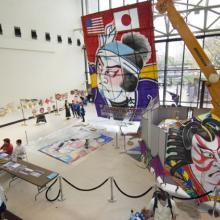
[190, 207]
[11, 216]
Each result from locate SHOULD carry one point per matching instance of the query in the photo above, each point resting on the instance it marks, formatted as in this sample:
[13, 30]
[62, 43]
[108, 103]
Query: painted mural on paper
[122, 61]
[193, 157]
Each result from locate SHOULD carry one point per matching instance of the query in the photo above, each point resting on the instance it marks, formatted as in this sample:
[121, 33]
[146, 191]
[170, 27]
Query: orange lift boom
[213, 81]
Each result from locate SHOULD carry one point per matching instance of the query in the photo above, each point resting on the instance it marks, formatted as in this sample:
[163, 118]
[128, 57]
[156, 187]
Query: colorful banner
[122, 61]
[192, 157]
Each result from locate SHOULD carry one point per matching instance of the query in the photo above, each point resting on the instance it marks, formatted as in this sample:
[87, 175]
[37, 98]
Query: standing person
[19, 152]
[82, 113]
[77, 108]
[67, 109]
[3, 200]
[162, 206]
[73, 109]
[7, 147]
[87, 144]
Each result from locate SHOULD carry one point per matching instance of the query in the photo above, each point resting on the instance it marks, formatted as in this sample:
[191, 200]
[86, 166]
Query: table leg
[124, 150]
[40, 190]
[61, 189]
[12, 180]
[116, 140]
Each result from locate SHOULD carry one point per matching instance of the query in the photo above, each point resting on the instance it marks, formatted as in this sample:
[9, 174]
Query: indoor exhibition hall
[110, 109]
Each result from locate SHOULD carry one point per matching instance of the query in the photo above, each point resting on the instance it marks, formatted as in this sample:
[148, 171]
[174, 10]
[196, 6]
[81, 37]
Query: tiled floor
[90, 171]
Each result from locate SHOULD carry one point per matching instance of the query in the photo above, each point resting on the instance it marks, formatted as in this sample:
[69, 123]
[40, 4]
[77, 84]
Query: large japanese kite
[122, 61]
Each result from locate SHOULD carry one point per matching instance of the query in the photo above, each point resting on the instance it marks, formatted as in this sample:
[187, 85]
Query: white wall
[36, 68]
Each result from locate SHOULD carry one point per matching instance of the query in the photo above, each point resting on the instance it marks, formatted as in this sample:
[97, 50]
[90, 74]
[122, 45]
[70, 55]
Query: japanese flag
[126, 20]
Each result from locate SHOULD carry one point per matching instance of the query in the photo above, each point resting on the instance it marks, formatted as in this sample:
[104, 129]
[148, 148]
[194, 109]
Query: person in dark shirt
[67, 109]
[77, 109]
[73, 109]
[82, 113]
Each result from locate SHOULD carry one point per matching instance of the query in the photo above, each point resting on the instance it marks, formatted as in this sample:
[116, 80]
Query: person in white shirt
[19, 152]
[2, 203]
[162, 206]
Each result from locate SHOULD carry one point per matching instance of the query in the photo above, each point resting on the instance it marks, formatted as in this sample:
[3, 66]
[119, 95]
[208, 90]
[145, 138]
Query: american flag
[95, 25]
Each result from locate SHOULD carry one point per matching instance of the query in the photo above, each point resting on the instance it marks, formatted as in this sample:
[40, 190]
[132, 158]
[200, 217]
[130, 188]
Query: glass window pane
[175, 55]
[117, 3]
[189, 95]
[180, 6]
[213, 20]
[159, 24]
[196, 19]
[207, 99]
[212, 49]
[189, 60]
[92, 6]
[160, 53]
[128, 2]
[214, 2]
[104, 5]
[173, 87]
[201, 2]
[161, 83]
[174, 68]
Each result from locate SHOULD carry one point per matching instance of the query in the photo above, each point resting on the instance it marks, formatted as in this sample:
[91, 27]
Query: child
[19, 152]
[82, 113]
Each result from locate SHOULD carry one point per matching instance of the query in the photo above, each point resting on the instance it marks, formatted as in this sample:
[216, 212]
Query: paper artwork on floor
[71, 143]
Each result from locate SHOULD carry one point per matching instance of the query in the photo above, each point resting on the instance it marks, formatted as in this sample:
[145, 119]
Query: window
[17, 31]
[69, 40]
[33, 34]
[92, 6]
[47, 36]
[104, 5]
[1, 29]
[117, 3]
[59, 39]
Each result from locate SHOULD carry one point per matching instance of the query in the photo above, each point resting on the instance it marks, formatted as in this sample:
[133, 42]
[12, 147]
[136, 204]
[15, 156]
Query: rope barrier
[94, 188]
[120, 190]
[198, 197]
[46, 194]
[134, 197]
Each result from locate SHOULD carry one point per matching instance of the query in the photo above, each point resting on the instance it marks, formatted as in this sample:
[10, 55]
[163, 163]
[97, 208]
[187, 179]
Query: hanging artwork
[122, 61]
[192, 157]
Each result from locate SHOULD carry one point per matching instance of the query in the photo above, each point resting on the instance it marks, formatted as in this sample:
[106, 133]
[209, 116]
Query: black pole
[202, 94]
[86, 68]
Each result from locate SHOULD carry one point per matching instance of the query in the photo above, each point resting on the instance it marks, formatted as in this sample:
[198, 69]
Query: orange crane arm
[213, 81]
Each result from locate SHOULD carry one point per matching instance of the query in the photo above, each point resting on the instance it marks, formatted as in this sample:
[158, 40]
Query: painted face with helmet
[118, 65]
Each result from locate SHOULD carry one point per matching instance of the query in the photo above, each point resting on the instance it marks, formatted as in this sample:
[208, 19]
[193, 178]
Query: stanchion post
[112, 193]
[125, 143]
[26, 136]
[61, 189]
[116, 140]
[57, 111]
[216, 214]
[22, 111]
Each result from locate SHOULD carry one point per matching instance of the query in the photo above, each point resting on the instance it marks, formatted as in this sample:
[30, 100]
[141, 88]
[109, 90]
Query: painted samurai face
[206, 160]
[110, 79]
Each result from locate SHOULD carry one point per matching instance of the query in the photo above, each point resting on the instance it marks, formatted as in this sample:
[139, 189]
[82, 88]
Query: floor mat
[68, 145]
